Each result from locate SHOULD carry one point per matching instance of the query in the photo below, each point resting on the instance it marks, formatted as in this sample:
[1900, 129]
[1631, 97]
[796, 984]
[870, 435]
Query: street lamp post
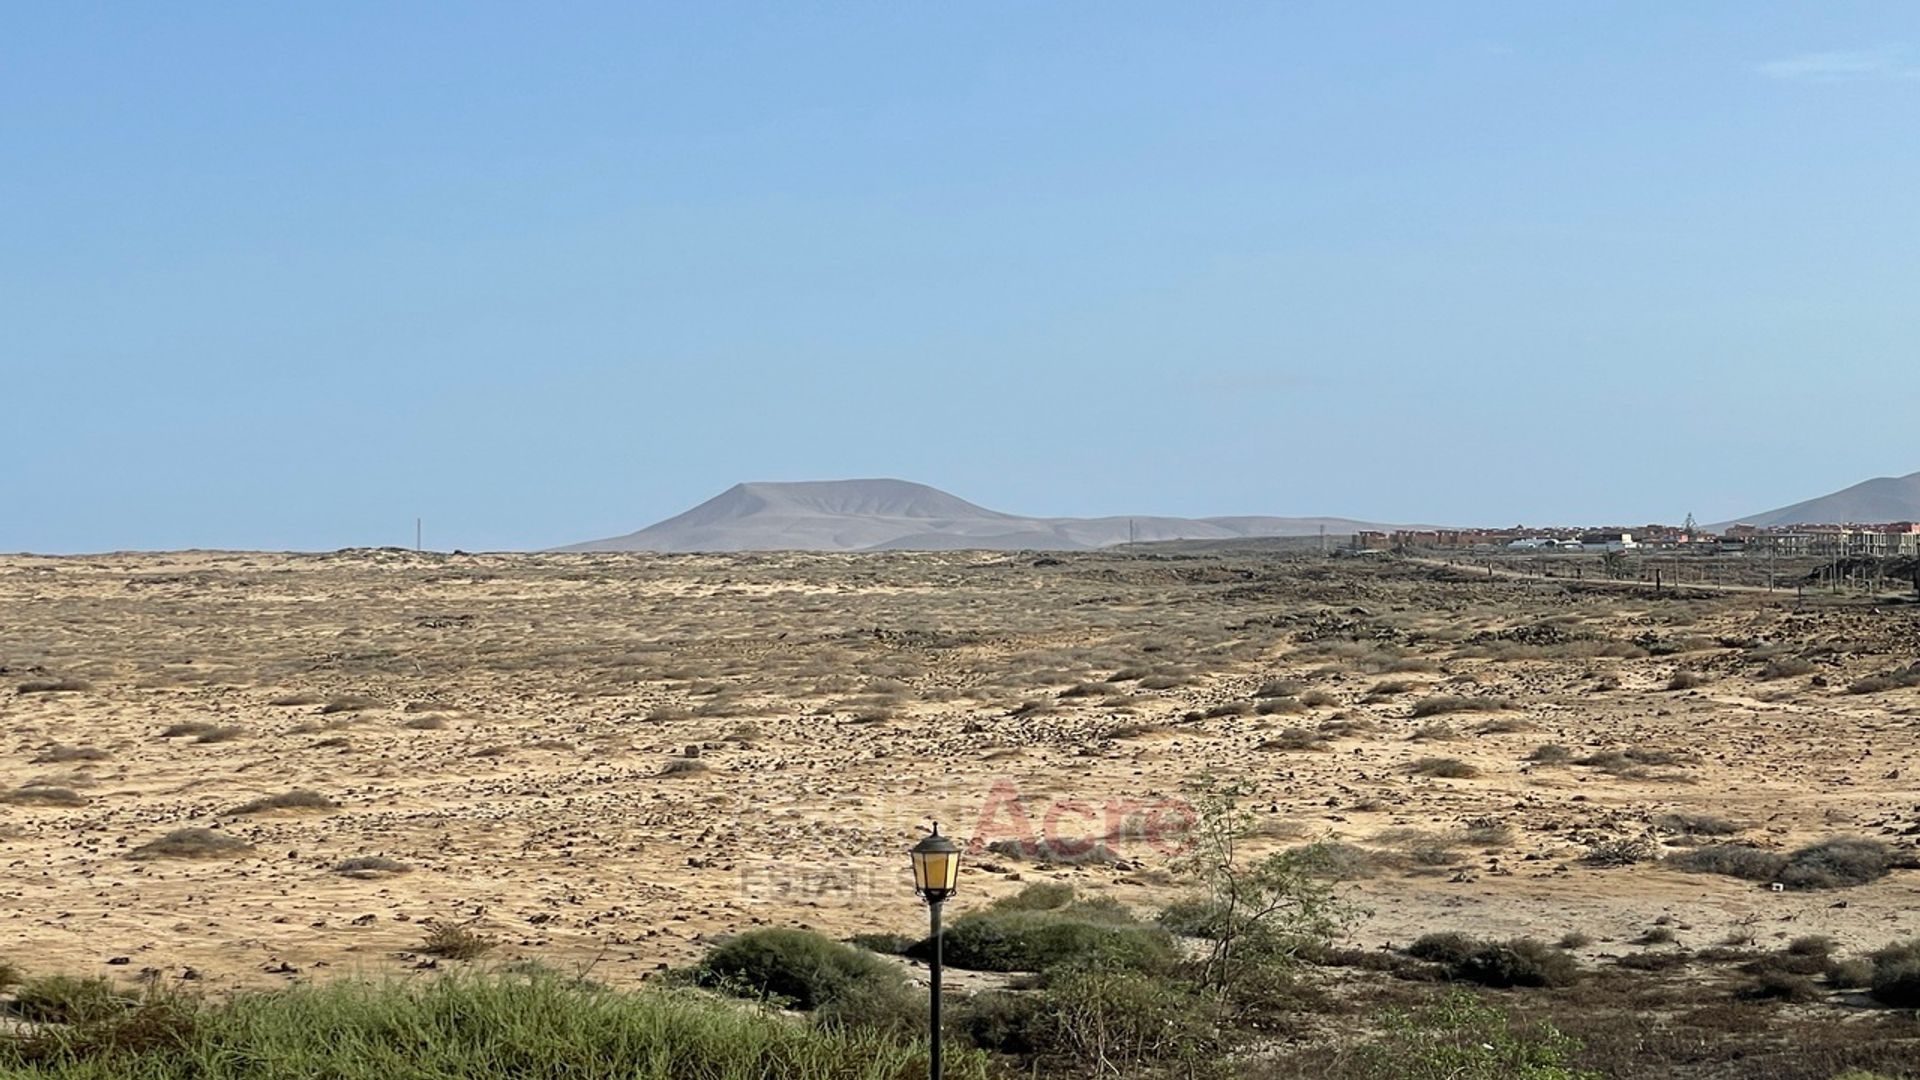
[936, 874]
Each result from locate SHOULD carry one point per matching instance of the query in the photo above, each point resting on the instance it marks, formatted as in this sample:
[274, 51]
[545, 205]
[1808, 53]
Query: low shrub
[1786, 667]
[349, 703]
[1040, 940]
[1686, 679]
[61, 755]
[288, 800]
[370, 866]
[1896, 975]
[1695, 825]
[1897, 679]
[1065, 851]
[1855, 974]
[54, 686]
[43, 795]
[456, 941]
[1121, 1022]
[1441, 704]
[1295, 738]
[796, 966]
[1837, 864]
[192, 844]
[883, 943]
[1829, 864]
[1280, 706]
[1463, 1038]
[1500, 964]
[1449, 768]
[1624, 851]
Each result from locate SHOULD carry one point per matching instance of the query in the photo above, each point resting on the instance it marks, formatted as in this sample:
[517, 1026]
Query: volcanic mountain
[881, 515]
[1877, 501]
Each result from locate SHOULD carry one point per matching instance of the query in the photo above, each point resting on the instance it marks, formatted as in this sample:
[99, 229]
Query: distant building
[1607, 541]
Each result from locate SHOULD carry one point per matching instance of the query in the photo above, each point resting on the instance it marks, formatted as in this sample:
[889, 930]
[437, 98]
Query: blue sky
[279, 276]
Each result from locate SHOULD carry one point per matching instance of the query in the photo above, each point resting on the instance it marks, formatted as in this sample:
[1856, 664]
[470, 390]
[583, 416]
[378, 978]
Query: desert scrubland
[253, 770]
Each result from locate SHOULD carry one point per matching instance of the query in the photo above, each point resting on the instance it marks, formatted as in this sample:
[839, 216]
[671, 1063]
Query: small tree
[1615, 564]
[1256, 912]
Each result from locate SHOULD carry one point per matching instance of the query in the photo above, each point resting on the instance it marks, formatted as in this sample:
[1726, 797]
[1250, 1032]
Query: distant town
[1895, 540]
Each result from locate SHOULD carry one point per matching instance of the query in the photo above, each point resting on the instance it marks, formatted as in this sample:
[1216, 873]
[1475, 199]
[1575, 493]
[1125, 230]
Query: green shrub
[1856, 974]
[795, 965]
[1021, 940]
[1896, 975]
[1039, 896]
[1002, 1021]
[1449, 947]
[884, 1006]
[883, 943]
[1500, 964]
[1120, 1023]
[1462, 1038]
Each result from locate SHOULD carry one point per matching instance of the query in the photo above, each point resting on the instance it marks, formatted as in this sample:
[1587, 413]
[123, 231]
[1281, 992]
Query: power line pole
[417, 534]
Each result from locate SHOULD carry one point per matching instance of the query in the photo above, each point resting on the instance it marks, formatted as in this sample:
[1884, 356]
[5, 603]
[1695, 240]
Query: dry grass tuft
[349, 703]
[370, 866]
[456, 942]
[290, 800]
[61, 754]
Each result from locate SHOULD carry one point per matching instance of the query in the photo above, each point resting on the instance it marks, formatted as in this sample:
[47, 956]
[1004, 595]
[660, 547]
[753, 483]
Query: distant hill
[1884, 499]
[895, 515]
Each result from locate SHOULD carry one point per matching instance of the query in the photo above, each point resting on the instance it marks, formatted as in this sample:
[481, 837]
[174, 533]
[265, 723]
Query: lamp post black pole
[933, 1070]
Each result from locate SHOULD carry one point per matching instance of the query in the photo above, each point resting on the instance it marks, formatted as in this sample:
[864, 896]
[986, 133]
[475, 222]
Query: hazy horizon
[289, 279]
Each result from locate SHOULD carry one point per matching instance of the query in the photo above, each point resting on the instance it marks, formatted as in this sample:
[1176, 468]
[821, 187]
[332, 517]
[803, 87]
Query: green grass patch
[457, 1028]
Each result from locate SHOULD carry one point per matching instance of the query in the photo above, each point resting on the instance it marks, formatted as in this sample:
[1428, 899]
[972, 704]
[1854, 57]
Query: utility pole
[417, 533]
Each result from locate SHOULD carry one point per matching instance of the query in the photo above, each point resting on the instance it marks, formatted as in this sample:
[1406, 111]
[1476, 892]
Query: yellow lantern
[936, 867]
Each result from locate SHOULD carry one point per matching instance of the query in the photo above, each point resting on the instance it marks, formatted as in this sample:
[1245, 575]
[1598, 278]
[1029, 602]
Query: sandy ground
[506, 727]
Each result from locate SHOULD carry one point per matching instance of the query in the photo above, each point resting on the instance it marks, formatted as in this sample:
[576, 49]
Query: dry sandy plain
[507, 728]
